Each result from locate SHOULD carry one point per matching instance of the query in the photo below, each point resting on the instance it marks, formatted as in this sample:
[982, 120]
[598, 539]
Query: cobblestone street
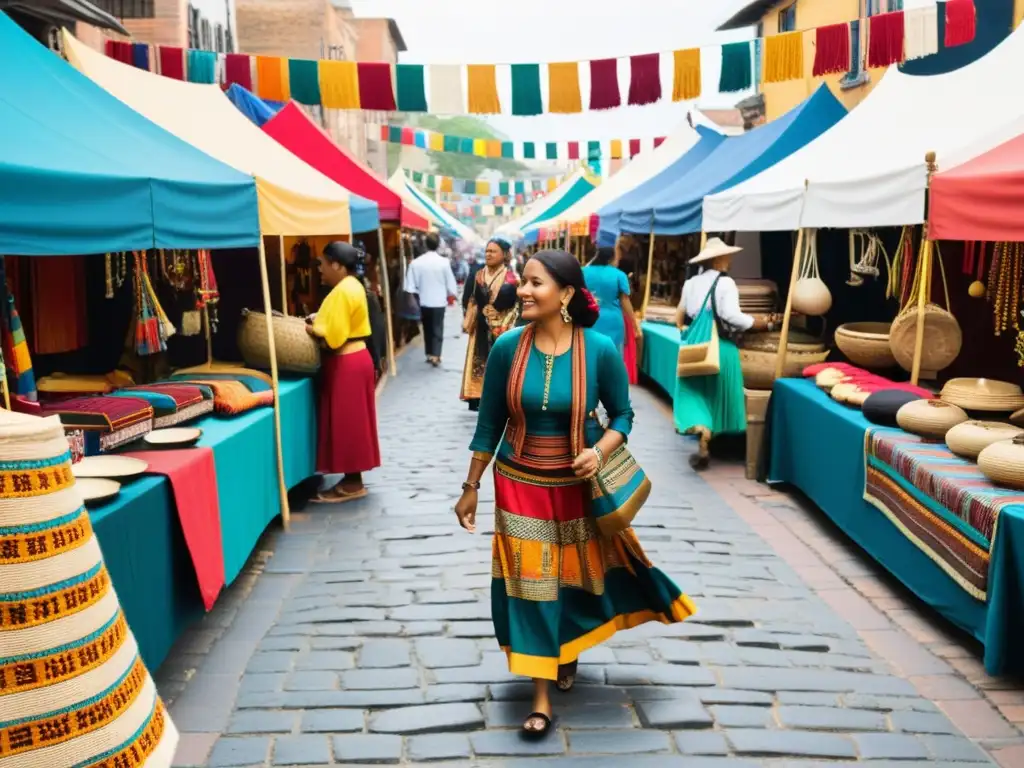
[363, 635]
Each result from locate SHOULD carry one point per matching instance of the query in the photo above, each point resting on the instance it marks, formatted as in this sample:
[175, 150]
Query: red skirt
[347, 436]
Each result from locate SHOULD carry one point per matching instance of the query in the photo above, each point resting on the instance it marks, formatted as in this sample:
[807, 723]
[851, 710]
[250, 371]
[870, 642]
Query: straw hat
[714, 248]
[73, 689]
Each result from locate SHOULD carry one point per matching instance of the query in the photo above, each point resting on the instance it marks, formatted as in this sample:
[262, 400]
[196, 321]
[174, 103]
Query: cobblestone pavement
[363, 635]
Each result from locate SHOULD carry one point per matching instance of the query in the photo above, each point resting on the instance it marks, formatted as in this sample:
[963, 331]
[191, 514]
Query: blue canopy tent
[80, 172]
[611, 214]
[674, 205]
[252, 106]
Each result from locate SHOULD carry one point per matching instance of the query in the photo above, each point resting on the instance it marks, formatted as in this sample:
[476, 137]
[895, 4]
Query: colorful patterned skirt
[347, 430]
[558, 587]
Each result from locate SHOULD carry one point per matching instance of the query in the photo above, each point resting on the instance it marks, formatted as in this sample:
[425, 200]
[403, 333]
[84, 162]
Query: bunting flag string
[522, 190]
[487, 89]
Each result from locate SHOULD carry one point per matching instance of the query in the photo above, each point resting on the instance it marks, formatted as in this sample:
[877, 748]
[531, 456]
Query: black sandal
[536, 733]
[566, 677]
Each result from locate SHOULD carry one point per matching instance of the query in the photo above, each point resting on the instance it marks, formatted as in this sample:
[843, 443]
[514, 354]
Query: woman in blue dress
[610, 287]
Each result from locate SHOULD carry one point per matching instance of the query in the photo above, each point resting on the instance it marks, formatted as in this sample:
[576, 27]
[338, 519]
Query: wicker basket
[1003, 462]
[296, 351]
[759, 365]
[866, 344]
[769, 342]
[942, 339]
[929, 418]
[970, 438]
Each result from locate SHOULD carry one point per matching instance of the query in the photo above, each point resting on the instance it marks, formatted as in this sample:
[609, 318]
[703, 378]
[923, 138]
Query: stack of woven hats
[73, 689]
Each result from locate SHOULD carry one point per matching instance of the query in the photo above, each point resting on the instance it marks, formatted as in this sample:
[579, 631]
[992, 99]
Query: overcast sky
[521, 31]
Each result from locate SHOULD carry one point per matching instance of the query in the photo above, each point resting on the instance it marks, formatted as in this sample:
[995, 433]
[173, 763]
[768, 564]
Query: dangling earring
[566, 317]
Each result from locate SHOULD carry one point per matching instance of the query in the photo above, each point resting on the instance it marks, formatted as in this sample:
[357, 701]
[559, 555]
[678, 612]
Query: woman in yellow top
[347, 442]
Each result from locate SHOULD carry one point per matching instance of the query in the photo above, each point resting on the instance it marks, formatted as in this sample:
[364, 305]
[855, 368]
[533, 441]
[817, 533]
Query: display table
[661, 355]
[818, 445]
[141, 537]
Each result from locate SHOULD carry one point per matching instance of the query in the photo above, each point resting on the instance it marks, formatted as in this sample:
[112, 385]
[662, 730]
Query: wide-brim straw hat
[714, 248]
[73, 688]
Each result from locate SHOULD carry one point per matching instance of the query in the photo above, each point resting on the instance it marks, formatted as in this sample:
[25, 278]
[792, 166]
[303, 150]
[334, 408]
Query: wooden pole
[272, 350]
[780, 358]
[650, 274]
[209, 335]
[926, 281]
[284, 278]
[7, 392]
[703, 239]
[382, 265]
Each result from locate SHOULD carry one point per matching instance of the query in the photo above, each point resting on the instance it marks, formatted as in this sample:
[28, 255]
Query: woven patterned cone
[73, 688]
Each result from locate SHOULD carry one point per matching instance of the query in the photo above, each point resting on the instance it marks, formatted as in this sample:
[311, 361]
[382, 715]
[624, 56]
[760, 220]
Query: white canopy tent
[869, 170]
[535, 211]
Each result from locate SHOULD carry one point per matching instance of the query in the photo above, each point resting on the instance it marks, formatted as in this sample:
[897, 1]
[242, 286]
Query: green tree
[454, 164]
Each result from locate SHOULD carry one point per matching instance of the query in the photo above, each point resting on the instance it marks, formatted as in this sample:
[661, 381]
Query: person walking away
[430, 277]
[347, 443]
[492, 309]
[560, 586]
[712, 404]
[610, 287]
[479, 261]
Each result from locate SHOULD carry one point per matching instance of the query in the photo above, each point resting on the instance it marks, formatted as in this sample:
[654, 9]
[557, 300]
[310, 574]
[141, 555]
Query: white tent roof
[534, 212]
[644, 166]
[869, 170]
[432, 212]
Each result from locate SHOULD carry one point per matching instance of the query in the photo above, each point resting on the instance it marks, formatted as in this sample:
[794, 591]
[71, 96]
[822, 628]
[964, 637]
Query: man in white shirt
[430, 277]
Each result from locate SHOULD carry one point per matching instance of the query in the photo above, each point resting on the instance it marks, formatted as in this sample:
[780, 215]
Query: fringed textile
[483, 90]
[493, 148]
[961, 22]
[658, 141]
[446, 184]
[59, 304]
[140, 55]
[420, 140]
[552, 184]
[238, 70]
[376, 91]
[686, 78]
[21, 379]
[412, 92]
[408, 138]
[616, 149]
[202, 67]
[604, 84]
[483, 187]
[436, 142]
[304, 81]
[339, 84]
[551, 150]
[480, 147]
[508, 150]
[529, 150]
[784, 57]
[885, 39]
[922, 30]
[172, 62]
[564, 95]
[634, 148]
[832, 50]
[574, 150]
[737, 68]
[120, 51]
[645, 78]
[272, 78]
[526, 96]
[446, 92]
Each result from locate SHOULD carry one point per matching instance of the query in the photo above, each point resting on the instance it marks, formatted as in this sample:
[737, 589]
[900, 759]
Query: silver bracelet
[600, 456]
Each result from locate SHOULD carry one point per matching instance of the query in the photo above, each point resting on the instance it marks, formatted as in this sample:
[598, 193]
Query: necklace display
[115, 273]
[1004, 286]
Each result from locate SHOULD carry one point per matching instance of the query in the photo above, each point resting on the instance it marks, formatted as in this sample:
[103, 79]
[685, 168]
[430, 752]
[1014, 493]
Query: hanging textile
[446, 184]
[658, 141]
[616, 149]
[508, 150]
[885, 39]
[529, 150]
[467, 146]
[420, 140]
[304, 81]
[272, 78]
[59, 308]
[21, 380]
[149, 327]
[202, 67]
[564, 97]
[483, 187]
[395, 134]
[493, 148]
[339, 84]
[238, 69]
[452, 144]
[645, 78]
[832, 50]
[737, 68]
[483, 90]
[412, 92]
[172, 62]
[961, 22]
[436, 142]
[480, 147]
[503, 188]
[140, 55]
[376, 91]
[784, 57]
[551, 150]
[686, 78]
[120, 51]
[604, 84]
[922, 30]
[408, 137]
[634, 147]
[446, 91]
[552, 184]
[526, 97]
[574, 150]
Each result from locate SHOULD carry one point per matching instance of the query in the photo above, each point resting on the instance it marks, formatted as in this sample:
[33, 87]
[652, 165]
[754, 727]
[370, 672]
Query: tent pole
[209, 335]
[286, 513]
[382, 265]
[703, 239]
[650, 274]
[780, 357]
[284, 277]
[926, 282]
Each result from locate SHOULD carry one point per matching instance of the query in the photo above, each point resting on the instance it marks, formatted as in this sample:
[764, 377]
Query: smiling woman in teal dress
[558, 586]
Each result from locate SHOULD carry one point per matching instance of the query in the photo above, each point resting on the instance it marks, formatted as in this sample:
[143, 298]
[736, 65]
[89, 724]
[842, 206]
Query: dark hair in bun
[566, 271]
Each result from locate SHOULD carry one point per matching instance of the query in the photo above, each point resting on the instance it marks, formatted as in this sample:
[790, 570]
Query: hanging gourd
[811, 296]
[871, 248]
[974, 264]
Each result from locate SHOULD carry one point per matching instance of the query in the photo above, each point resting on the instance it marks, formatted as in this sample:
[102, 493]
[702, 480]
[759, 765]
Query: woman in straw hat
[712, 404]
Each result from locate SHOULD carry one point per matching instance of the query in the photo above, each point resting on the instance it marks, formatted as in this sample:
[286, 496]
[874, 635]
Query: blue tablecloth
[661, 355]
[141, 536]
[817, 445]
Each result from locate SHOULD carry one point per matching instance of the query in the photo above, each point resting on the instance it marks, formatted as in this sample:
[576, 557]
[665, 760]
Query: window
[127, 9]
[787, 19]
[895, 5]
[857, 74]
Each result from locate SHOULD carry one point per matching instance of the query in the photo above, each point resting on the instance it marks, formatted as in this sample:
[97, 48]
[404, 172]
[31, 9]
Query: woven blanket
[172, 403]
[102, 412]
[942, 503]
[233, 397]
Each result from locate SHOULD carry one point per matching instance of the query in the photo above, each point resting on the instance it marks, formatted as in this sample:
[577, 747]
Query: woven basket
[970, 438]
[866, 344]
[942, 339]
[297, 352]
[769, 342]
[1003, 462]
[929, 418]
[759, 366]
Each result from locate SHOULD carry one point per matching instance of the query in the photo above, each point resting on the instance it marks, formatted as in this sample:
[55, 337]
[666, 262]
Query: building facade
[996, 19]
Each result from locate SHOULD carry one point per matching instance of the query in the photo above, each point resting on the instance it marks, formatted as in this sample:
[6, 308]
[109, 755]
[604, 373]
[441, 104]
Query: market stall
[425, 206]
[547, 210]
